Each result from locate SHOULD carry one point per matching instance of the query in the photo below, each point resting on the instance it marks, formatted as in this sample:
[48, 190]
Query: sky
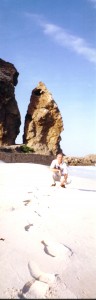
[54, 41]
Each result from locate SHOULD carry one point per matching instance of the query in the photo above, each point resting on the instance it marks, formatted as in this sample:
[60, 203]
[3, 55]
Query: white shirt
[62, 166]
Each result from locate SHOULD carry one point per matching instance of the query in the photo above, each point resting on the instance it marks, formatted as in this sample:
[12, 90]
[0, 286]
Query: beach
[47, 234]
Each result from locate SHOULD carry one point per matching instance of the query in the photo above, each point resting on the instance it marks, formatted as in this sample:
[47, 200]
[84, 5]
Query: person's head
[59, 158]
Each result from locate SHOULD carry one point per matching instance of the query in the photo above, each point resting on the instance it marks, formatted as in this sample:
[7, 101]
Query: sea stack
[43, 122]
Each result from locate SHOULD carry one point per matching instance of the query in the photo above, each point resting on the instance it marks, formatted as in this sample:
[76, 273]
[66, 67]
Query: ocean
[83, 171]
[79, 171]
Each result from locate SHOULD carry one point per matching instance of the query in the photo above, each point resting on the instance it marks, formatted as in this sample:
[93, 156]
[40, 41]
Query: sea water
[79, 171]
[83, 171]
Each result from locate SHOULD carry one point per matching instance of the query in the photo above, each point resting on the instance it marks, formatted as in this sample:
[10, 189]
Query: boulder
[10, 119]
[43, 122]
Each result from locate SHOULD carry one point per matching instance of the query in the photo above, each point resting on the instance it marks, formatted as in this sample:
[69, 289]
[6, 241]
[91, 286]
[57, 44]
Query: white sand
[47, 235]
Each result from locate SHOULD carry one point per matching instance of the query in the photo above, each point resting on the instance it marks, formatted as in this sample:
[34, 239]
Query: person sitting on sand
[59, 171]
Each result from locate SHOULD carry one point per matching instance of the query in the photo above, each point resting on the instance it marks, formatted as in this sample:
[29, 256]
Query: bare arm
[56, 170]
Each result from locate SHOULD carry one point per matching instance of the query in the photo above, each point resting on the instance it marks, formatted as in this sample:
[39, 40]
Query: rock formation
[10, 119]
[43, 122]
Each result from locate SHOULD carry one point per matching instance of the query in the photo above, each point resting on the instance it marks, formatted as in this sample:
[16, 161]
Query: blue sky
[54, 41]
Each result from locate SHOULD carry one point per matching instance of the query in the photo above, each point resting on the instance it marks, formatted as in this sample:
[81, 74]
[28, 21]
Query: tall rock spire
[43, 122]
[10, 119]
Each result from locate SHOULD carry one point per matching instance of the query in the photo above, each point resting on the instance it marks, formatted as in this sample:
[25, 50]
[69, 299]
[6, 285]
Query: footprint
[54, 249]
[27, 286]
[26, 202]
[39, 285]
[36, 273]
[36, 291]
[70, 250]
[46, 250]
[1, 239]
[28, 226]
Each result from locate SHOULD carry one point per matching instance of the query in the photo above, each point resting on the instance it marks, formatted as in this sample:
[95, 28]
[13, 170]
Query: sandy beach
[47, 235]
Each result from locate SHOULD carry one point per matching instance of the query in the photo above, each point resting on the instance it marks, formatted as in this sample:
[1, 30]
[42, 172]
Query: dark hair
[60, 153]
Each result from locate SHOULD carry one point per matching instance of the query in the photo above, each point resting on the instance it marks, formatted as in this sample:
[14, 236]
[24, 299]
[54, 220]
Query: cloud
[93, 2]
[64, 38]
[72, 42]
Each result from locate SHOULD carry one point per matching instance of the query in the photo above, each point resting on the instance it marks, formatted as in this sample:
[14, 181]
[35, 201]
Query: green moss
[26, 149]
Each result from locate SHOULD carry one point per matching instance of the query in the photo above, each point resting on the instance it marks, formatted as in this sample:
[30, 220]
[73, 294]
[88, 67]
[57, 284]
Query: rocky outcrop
[88, 160]
[43, 122]
[10, 119]
[16, 153]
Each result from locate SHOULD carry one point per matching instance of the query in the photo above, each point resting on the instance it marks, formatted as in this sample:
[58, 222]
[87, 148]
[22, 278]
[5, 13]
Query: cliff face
[43, 122]
[10, 119]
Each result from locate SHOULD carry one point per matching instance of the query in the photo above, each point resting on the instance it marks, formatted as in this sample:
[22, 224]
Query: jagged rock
[88, 160]
[43, 122]
[10, 119]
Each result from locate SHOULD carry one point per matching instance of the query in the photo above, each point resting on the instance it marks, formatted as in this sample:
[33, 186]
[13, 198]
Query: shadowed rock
[10, 119]
[43, 122]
